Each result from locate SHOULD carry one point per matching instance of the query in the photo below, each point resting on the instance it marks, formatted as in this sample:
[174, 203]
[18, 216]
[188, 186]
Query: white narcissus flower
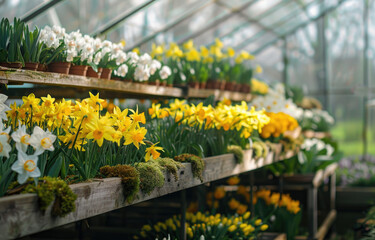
[133, 56]
[5, 147]
[154, 66]
[21, 137]
[141, 73]
[120, 58]
[26, 166]
[97, 58]
[145, 59]
[165, 72]
[42, 140]
[122, 70]
[4, 132]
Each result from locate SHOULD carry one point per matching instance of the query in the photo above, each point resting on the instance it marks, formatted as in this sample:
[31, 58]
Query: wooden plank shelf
[19, 76]
[218, 94]
[20, 215]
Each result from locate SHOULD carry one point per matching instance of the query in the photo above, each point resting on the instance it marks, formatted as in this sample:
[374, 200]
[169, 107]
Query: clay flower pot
[228, 86]
[17, 65]
[202, 85]
[59, 67]
[79, 70]
[194, 85]
[91, 73]
[31, 66]
[4, 64]
[106, 73]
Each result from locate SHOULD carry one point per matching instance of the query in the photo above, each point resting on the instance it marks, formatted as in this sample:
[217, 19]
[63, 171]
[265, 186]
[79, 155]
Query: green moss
[49, 189]
[237, 151]
[197, 164]
[170, 165]
[129, 177]
[151, 176]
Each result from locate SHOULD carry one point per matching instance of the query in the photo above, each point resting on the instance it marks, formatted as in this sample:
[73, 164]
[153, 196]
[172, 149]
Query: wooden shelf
[19, 76]
[219, 95]
[20, 215]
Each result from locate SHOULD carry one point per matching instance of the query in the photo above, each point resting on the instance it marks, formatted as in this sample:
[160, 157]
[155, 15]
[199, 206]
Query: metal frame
[171, 25]
[365, 76]
[326, 11]
[119, 19]
[39, 9]
[217, 22]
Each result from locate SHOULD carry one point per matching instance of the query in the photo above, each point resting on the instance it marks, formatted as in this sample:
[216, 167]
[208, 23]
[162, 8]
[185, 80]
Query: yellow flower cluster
[279, 123]
[258, 86]
[82, 120]
[204, 224]
[223, 116]
[285, 200]
[204, 54]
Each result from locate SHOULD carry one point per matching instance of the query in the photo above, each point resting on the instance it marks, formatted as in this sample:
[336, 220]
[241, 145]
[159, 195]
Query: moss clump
[237, 151]
[197, 164]
[129, 177]
[170, 165]
[151, 176]
[48, 189]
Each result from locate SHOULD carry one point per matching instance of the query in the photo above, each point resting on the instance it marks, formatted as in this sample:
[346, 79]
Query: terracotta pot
[116, 78]
[59, 67]
[222, 85]
[17, 65]
[31, 66]
[170, 85]
[4, 64]
[194, 85]
[202, 85]
[164, 84]
[79, 70]
[156, 83]
[91, 73]
[228, 86]
[106, 73]
[128, 80]
[42, 67]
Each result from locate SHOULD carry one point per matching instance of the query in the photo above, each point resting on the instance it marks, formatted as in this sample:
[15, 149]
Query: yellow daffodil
[153, 151]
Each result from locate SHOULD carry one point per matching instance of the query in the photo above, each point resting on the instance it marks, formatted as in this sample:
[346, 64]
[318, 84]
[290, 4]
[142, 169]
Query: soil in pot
[91, 73]
[106, 73]
[79, 70]
[59, 67]
[31, 66]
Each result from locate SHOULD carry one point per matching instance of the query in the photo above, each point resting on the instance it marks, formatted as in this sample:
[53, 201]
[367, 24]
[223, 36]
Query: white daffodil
[21, 138]
[26, 166]
[141, 73]
[165, 72]
[42, 140]
[122, 70]
[5, 147]
[154, 66]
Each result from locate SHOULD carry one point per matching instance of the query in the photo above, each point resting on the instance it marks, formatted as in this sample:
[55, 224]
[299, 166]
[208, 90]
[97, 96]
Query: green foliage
[237, 151]
[260, 149]
[15, 41]
[49, 189]
[151, 176]
[5, 31]
[129, 177]
[31, 47]
[197, 164]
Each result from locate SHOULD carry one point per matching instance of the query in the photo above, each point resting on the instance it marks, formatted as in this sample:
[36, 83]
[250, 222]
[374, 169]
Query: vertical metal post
[365, 76]
[312, 211]
[286, 63]
[252, 208]
[332, 191]
[183, 215]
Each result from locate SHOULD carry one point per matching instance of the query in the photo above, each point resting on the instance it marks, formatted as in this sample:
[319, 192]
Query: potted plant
[5, 29]
[31, 48]
[15, 58]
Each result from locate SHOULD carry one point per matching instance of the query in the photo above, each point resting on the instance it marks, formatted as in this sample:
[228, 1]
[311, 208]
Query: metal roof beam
[171, 25]
[323, 13]
[39, 9]
[279, 23]
[119, 19]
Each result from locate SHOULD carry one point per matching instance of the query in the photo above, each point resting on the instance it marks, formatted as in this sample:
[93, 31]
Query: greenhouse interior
[187, 119]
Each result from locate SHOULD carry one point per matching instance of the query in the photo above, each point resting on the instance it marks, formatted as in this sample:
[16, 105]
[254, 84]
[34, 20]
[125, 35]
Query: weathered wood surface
[312, 134]
[273, 236]
[218, 94]
[9, 76]
[326, 225]
[20, 215]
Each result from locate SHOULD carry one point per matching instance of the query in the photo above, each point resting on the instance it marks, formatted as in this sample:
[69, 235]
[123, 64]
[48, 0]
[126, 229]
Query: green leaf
[56, 167]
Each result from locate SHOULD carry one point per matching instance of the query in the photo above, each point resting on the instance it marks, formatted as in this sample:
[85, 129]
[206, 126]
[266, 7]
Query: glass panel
[254, 45]
[301, 52]
[286, 10]
[294, 22]
[233, 3]
[345, 46]
[17, 8]
[261, 8]
[348, 112]
[243, 34]
[158, 16]
[272, 64]
[78, 14]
